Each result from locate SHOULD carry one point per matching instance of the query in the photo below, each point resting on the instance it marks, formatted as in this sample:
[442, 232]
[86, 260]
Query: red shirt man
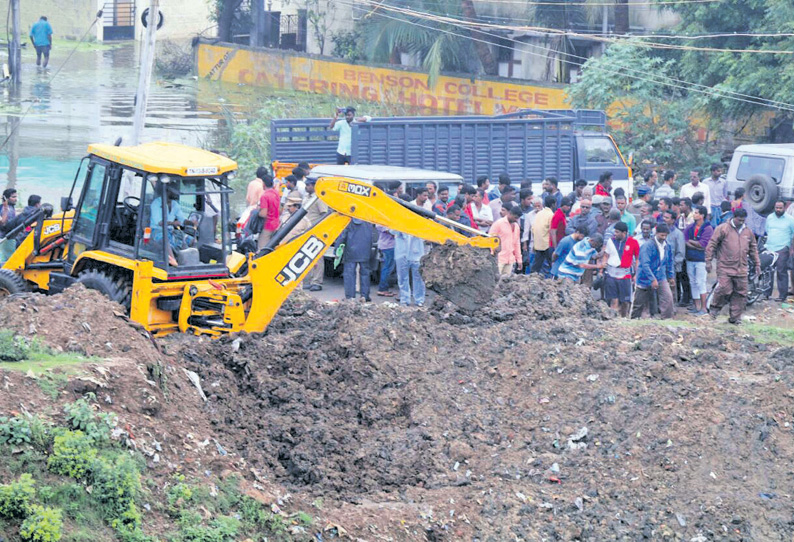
[268, 209]
[558, 222]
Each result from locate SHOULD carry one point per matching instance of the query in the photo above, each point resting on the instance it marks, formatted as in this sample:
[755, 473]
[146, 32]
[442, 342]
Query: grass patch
[768, 334]
[20, 354]
[642, 322]
[762, 333]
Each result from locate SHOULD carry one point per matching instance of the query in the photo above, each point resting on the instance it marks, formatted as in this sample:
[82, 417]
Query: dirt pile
[465, 276]
[528, 297]
[546, 425]
[79, 320]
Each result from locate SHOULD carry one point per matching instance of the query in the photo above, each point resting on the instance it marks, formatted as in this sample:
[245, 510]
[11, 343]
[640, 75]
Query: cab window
[92, 193]
[600, 150]
[750, 165]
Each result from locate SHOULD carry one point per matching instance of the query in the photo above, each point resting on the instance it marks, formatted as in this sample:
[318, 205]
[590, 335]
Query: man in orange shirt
[256, 187]
[508, 232]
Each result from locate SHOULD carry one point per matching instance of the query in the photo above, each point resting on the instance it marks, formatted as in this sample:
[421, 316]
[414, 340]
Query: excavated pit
[534, 416]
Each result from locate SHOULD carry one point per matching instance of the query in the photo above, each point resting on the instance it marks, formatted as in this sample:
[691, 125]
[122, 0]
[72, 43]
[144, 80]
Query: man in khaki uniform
[314, 279]
[293, 203]
[731, 245]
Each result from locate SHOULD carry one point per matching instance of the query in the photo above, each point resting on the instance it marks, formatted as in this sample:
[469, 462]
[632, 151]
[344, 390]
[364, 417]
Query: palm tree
[440, 46]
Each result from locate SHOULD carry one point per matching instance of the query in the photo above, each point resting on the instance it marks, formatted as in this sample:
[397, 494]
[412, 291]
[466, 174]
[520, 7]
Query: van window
[750, 165]
[600, 150]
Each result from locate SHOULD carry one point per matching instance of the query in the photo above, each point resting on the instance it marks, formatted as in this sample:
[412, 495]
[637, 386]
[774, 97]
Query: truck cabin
[160, 202]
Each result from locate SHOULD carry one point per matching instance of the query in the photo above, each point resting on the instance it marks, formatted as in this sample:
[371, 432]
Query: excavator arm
[277, 271]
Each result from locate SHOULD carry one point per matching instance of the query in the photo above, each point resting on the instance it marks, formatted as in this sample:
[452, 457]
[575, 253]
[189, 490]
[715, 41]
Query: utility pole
[604, 27]
[145, 77]
[15, 51]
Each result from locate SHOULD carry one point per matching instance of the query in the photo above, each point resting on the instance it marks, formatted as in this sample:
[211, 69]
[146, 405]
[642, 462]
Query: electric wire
[596, 37]
[689, 86]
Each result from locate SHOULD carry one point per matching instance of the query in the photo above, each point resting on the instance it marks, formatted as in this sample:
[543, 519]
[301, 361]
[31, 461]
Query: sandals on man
[386, 294]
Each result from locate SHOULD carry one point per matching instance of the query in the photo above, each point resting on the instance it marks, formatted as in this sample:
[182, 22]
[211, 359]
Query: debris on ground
[465, 276]
[80, 321]
[535, 416]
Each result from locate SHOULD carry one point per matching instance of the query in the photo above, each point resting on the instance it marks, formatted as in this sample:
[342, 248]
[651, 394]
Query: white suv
[766, 172]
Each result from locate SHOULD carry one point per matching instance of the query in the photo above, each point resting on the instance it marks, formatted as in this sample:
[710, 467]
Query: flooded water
[91, 101]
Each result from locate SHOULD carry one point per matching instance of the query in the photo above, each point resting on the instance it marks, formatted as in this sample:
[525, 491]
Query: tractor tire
[762, 193]
[11, 283]
[113, 289]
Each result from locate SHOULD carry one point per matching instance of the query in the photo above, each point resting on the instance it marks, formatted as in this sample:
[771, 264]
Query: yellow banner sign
[284, 70]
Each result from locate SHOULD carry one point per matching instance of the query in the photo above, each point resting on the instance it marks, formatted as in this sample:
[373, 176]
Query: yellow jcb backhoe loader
[172, 265]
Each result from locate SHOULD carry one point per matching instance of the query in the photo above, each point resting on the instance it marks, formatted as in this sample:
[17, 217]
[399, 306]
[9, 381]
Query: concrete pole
[15, 52]
[145, 76]
[604, 26]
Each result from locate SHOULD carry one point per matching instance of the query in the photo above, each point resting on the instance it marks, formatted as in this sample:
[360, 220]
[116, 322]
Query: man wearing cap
[294, 201]
[602, 219]
[732, 245]
[315, 213]
[344, 148]
[644, 196]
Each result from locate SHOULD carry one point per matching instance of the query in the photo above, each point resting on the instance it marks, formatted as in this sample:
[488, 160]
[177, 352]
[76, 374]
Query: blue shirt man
[564, 247]
[779, 235]
[779, 229]
[579, 257]
[41, 37]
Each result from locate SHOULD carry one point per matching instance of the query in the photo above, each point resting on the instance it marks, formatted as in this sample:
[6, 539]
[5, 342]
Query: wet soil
[536, 416]
[81, 321]
[544, 423]
[464, 276]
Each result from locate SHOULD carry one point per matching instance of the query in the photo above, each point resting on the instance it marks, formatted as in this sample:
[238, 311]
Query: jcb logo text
[301, 261]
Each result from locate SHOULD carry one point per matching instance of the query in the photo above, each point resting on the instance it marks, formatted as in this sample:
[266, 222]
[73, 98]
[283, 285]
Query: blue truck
[528, 145]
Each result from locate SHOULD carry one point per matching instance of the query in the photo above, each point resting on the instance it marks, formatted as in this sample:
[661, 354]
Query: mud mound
[541, 299]
[79, 320]
[556, 426]
[528, 297]
[465, 276]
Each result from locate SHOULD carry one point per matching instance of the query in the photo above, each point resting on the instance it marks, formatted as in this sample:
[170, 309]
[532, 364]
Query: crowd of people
[647, 255]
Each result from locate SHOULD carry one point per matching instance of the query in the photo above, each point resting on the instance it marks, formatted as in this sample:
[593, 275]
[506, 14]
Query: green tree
[652, 121]
[439, 46]
[768, 76]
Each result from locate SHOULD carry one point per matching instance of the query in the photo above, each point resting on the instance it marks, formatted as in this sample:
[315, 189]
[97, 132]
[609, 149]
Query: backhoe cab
[149, 232]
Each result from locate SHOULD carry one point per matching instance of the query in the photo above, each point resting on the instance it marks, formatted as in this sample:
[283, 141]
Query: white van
[766, 172]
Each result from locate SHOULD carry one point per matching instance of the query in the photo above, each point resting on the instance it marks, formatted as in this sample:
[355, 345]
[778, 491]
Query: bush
[222, 529]
[12, 347]
[16, 498]
[42, 525]
[178, 494]
[117, 485]
[25, 429]
[97, 426]
[73, 455]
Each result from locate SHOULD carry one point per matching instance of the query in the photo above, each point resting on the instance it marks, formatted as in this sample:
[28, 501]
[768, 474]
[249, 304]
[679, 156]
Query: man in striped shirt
[578, 259]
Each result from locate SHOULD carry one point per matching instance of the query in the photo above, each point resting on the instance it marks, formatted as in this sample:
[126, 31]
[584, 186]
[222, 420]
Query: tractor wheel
[11, 283]
[114, 289]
